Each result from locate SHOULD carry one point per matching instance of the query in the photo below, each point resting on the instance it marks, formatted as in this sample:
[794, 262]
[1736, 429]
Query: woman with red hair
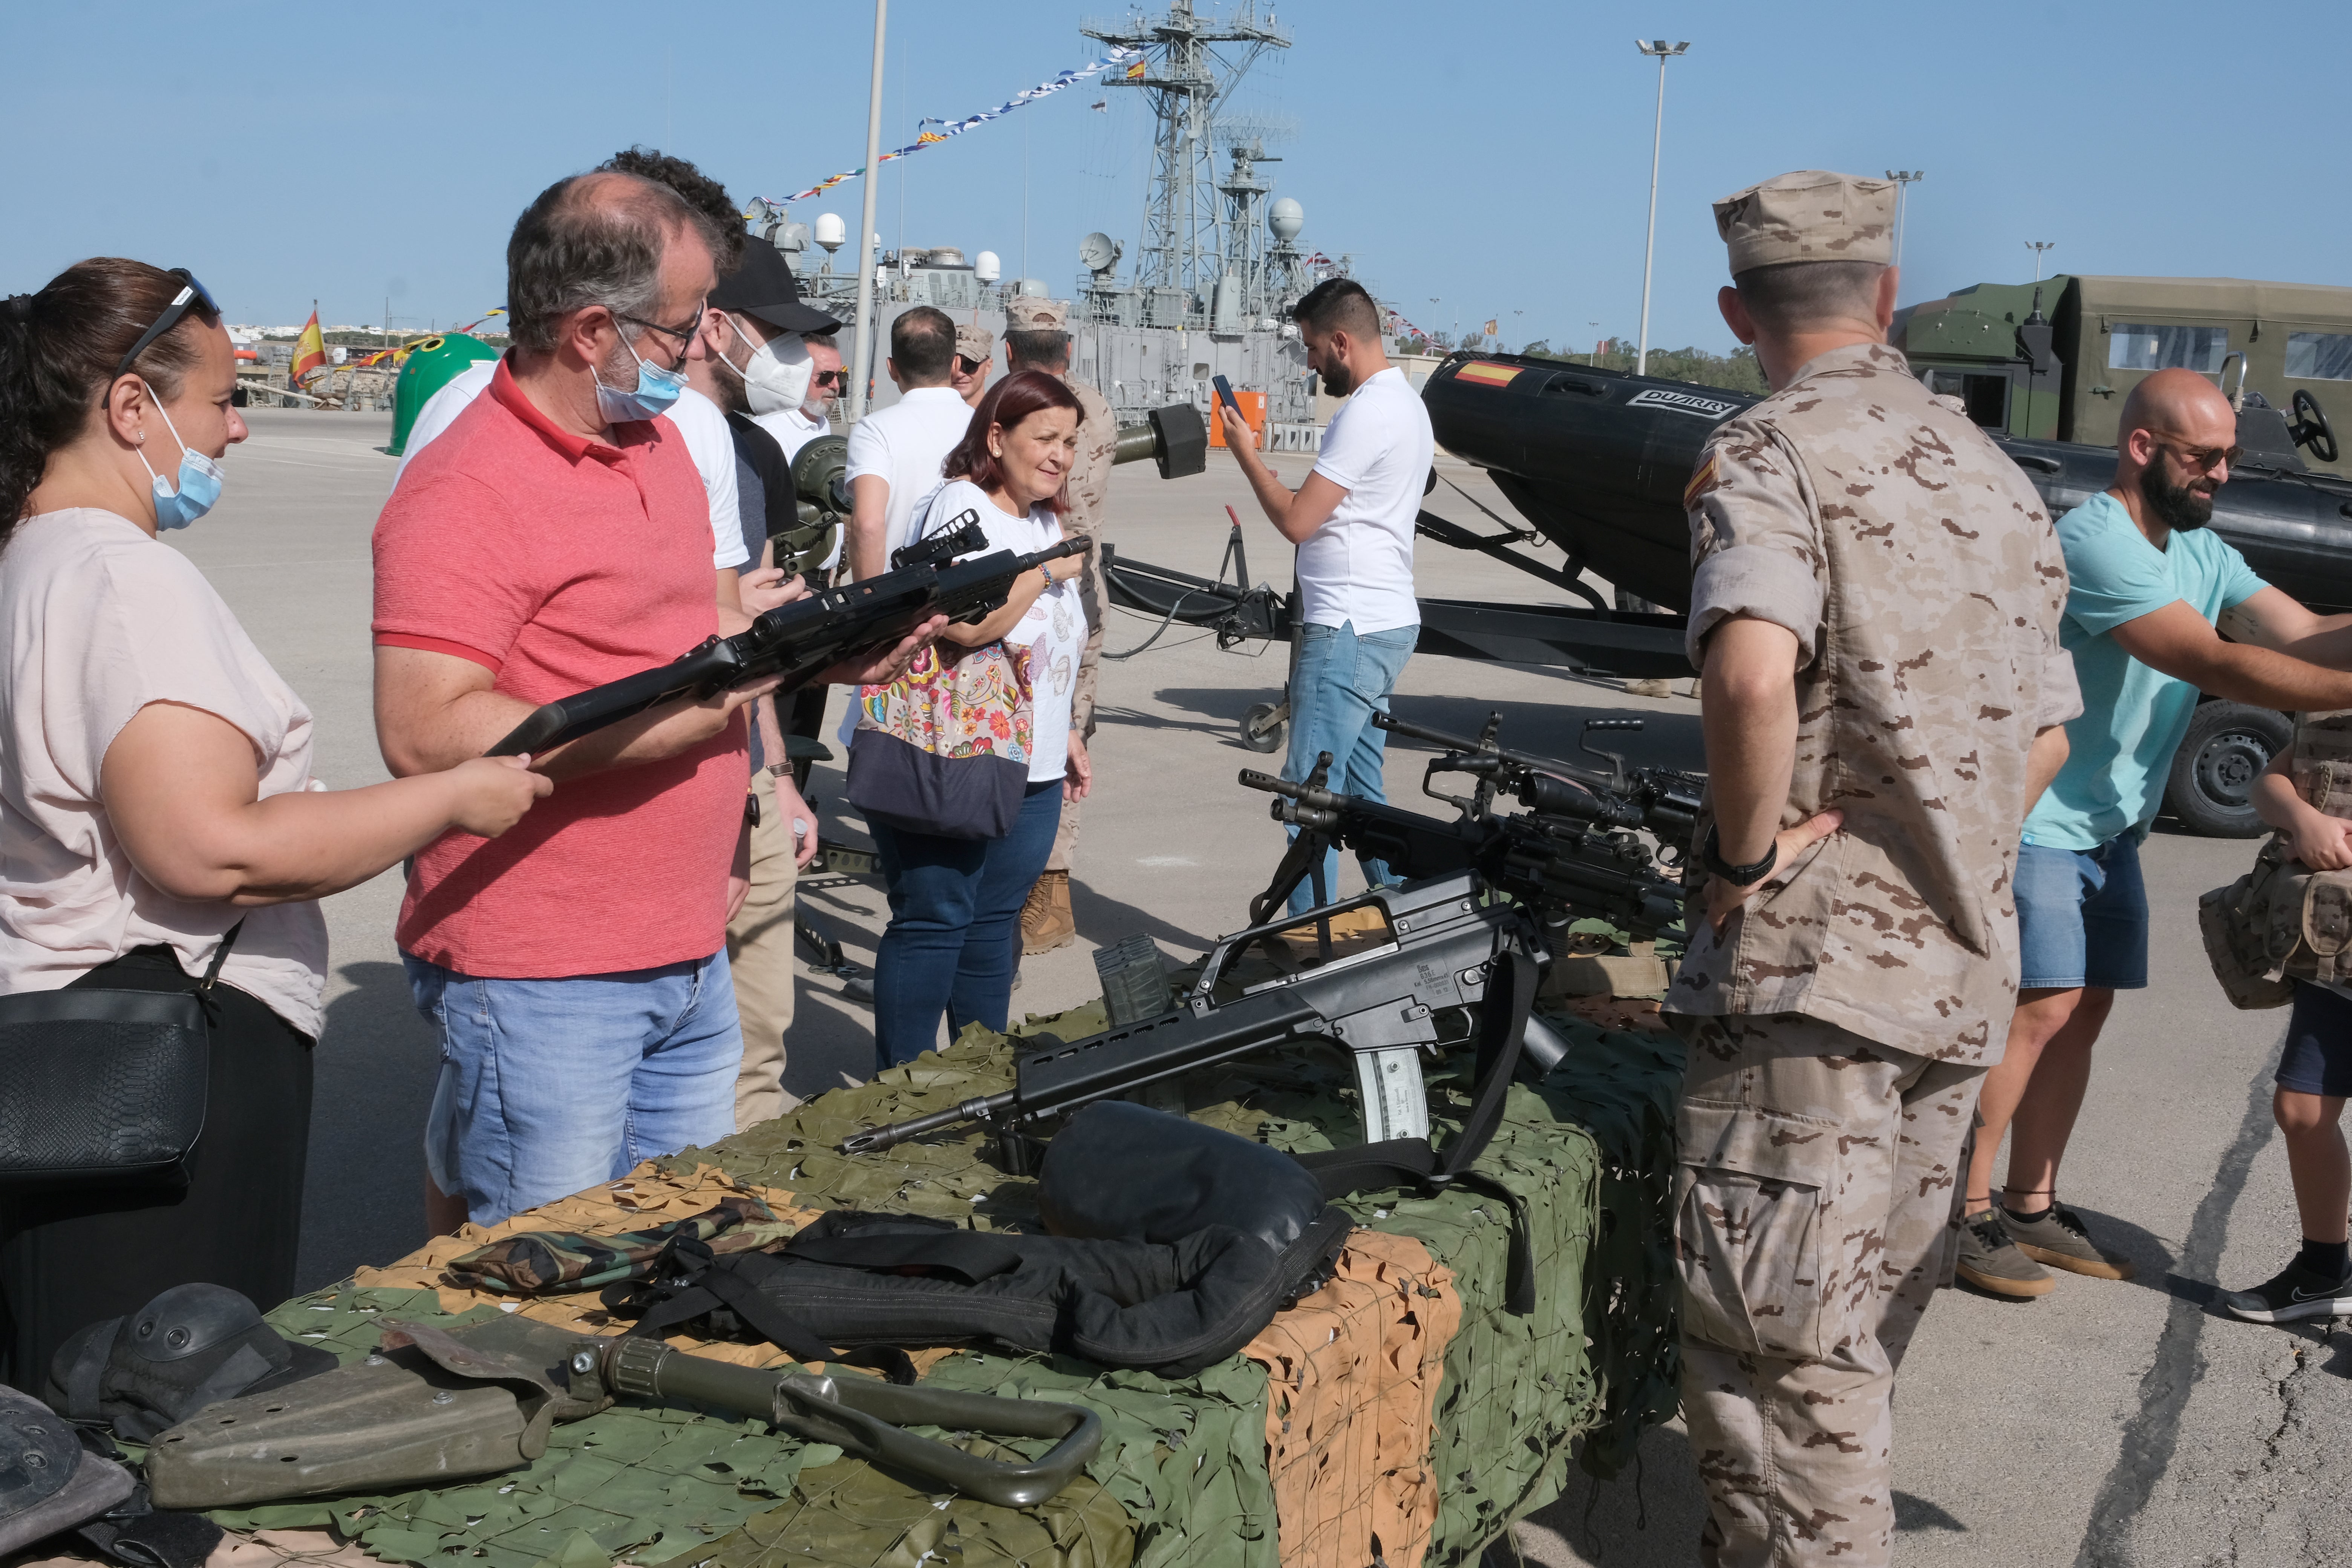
[955, 902]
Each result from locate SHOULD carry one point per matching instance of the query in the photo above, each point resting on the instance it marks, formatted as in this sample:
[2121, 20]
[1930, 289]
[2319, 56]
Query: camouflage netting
[1194, 1471]
[1588, 1158]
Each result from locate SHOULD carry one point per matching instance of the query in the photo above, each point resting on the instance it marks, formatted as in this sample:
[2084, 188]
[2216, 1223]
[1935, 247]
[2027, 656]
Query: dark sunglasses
[2204, 459]
[826, 378]
[192, 296]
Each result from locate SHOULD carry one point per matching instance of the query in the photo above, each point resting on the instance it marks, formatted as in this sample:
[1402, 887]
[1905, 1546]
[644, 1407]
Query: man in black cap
[751, 359]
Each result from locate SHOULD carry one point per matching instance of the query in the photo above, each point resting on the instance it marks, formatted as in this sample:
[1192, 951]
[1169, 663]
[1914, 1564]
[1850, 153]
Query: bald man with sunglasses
[2152, 592]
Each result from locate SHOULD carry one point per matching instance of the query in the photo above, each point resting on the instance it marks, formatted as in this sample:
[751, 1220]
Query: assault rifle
[803, 639]
[1385, 1004]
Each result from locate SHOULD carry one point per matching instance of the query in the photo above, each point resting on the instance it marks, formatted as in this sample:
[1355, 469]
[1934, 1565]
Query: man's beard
[733, 395]
[2178, 507]
[1337, 380]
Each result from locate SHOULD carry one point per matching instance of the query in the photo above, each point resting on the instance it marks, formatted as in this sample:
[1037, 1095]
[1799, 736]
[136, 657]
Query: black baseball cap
[764, 287]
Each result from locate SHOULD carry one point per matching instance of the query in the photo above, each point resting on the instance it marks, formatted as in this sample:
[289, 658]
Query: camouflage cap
[975, 343]
[1809, 216]
[1028, 313]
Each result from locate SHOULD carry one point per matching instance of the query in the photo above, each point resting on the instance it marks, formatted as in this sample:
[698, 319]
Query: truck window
[2319, 356]
[1984, 395]
[2133, 346]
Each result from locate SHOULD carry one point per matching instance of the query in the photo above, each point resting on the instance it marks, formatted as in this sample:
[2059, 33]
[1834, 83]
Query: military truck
[2054, 361]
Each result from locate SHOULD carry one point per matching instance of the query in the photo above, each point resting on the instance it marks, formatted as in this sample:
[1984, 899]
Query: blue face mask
[199, 479]
[657, 390]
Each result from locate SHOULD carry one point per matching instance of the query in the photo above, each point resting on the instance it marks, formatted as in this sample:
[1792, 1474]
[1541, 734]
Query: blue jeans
[2081, 916]
[955, 926]
[1342, 679]
[550, 1087]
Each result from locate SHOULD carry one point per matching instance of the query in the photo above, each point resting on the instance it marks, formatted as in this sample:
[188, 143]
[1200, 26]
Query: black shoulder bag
[104, 1087]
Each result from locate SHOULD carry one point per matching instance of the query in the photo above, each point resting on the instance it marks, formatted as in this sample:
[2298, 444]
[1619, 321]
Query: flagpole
[861, 350]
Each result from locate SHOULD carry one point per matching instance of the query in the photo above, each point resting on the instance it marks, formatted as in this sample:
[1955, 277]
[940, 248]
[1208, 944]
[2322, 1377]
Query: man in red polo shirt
[555, 536]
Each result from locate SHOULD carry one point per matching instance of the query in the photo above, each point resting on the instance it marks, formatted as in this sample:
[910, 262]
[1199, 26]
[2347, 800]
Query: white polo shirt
[1359, 565]
[695, 418]
[793, 429]
[906, 445]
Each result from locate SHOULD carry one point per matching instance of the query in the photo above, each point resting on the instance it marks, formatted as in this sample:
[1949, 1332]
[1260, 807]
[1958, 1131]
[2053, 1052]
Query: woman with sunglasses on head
[157, 811]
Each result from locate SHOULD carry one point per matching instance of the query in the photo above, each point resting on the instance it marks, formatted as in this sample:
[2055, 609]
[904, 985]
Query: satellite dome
[831, 232]
[987, 267]
[1098, 252]
[1285, 218]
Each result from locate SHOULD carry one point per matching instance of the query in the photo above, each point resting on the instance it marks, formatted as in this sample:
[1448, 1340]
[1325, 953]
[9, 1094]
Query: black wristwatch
[1710, 854]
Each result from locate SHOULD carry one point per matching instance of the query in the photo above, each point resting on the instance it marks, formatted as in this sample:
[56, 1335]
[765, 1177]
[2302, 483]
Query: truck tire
[2228, 746]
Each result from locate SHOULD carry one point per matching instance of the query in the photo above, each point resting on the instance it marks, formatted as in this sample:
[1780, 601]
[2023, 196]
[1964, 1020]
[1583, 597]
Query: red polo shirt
[561, 563]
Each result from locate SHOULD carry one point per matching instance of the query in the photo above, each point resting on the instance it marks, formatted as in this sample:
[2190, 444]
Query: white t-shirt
[793, 429]
[1359, 565]
[695, 417]
[1055, 630]
[906, 445]
[101, 620]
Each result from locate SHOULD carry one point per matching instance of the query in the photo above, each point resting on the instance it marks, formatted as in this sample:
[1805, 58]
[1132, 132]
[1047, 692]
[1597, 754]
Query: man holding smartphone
[1352, 521]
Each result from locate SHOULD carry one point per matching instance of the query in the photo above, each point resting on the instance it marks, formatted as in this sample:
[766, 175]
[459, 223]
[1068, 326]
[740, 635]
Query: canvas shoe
[2291, 1293]
[2059, 1239]
[1990, 1261]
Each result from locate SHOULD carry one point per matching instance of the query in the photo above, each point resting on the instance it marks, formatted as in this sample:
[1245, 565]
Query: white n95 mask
[776, 376]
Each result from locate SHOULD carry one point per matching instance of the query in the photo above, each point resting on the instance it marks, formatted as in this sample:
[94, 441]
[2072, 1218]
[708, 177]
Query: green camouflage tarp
[1181, 1476]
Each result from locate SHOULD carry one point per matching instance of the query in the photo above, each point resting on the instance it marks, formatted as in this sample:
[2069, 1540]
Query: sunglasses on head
[192, 296]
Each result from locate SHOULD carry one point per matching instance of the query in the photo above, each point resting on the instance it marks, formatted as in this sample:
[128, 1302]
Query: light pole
[861, 347]
[1904, 180]
[2038, 246]
[1664, 51]
[1595, 359]
[1433, 299]
[1517, 329]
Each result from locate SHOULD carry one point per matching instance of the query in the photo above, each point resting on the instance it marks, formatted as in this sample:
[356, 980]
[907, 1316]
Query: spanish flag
[1134, 71]
[309, 348]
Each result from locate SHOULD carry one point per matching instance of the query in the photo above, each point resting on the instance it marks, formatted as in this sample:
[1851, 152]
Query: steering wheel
[2311, 428]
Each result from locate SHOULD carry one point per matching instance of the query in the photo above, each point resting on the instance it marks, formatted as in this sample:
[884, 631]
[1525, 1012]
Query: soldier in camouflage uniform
[1037, 337]
[1875, 610]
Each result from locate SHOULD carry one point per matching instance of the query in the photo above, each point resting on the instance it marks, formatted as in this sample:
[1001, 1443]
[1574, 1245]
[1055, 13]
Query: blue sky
[1494, 156]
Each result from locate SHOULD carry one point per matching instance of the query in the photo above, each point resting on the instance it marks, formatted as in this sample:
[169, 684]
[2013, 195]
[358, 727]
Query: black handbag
[102, 1087]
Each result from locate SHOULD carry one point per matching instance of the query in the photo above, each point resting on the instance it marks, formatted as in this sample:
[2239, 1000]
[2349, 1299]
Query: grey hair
[590, 240]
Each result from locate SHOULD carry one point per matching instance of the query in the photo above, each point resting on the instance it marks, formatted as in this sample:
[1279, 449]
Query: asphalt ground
[2107, 1423]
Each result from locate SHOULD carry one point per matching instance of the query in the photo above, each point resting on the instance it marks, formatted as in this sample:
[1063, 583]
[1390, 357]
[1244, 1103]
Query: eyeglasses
[684, 335]
[192, 296]
[826, 378]
[2204, 459]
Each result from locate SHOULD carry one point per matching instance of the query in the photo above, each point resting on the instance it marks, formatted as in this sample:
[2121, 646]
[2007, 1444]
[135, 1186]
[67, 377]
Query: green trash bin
[430, 365]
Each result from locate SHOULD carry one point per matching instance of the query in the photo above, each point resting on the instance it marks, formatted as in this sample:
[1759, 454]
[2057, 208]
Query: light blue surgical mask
[657, 390]
[199, 478]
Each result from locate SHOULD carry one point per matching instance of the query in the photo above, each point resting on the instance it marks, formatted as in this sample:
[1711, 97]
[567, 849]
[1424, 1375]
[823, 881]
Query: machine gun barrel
[800, 640]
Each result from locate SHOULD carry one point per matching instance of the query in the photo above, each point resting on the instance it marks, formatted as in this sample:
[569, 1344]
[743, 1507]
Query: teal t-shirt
[2133, 718]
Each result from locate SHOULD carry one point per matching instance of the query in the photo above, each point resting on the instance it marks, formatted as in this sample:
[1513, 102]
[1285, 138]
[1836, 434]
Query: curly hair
[59, 349]
[722, 219]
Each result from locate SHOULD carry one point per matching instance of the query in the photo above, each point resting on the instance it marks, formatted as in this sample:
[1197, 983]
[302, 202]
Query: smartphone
[1225, 393]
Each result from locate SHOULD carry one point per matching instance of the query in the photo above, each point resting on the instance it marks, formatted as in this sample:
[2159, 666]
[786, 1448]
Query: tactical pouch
[2280, 922]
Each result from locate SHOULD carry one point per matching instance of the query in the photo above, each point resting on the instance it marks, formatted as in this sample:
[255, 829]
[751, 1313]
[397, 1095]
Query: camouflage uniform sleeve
[1756, 543]
[2062, 695]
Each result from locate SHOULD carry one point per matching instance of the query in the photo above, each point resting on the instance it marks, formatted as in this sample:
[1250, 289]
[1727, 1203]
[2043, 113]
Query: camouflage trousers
[1082, 704]
[1817, 1211]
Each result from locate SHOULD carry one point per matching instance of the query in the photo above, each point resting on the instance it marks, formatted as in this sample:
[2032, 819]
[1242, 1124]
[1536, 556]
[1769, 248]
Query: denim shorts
[2318, 1056]
[2082, 917]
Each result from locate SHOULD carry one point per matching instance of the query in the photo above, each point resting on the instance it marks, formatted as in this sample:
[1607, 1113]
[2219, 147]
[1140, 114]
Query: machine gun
[1384, 1003]
[1664, 801]
[809, 636]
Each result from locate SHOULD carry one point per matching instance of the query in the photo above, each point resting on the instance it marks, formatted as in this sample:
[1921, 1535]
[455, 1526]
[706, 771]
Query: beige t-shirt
[98, 620]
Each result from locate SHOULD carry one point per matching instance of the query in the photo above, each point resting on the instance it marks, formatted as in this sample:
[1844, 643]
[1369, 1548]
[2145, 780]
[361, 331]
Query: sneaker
[1990, 1261]
[2059, 1239]
[2294, 1292]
